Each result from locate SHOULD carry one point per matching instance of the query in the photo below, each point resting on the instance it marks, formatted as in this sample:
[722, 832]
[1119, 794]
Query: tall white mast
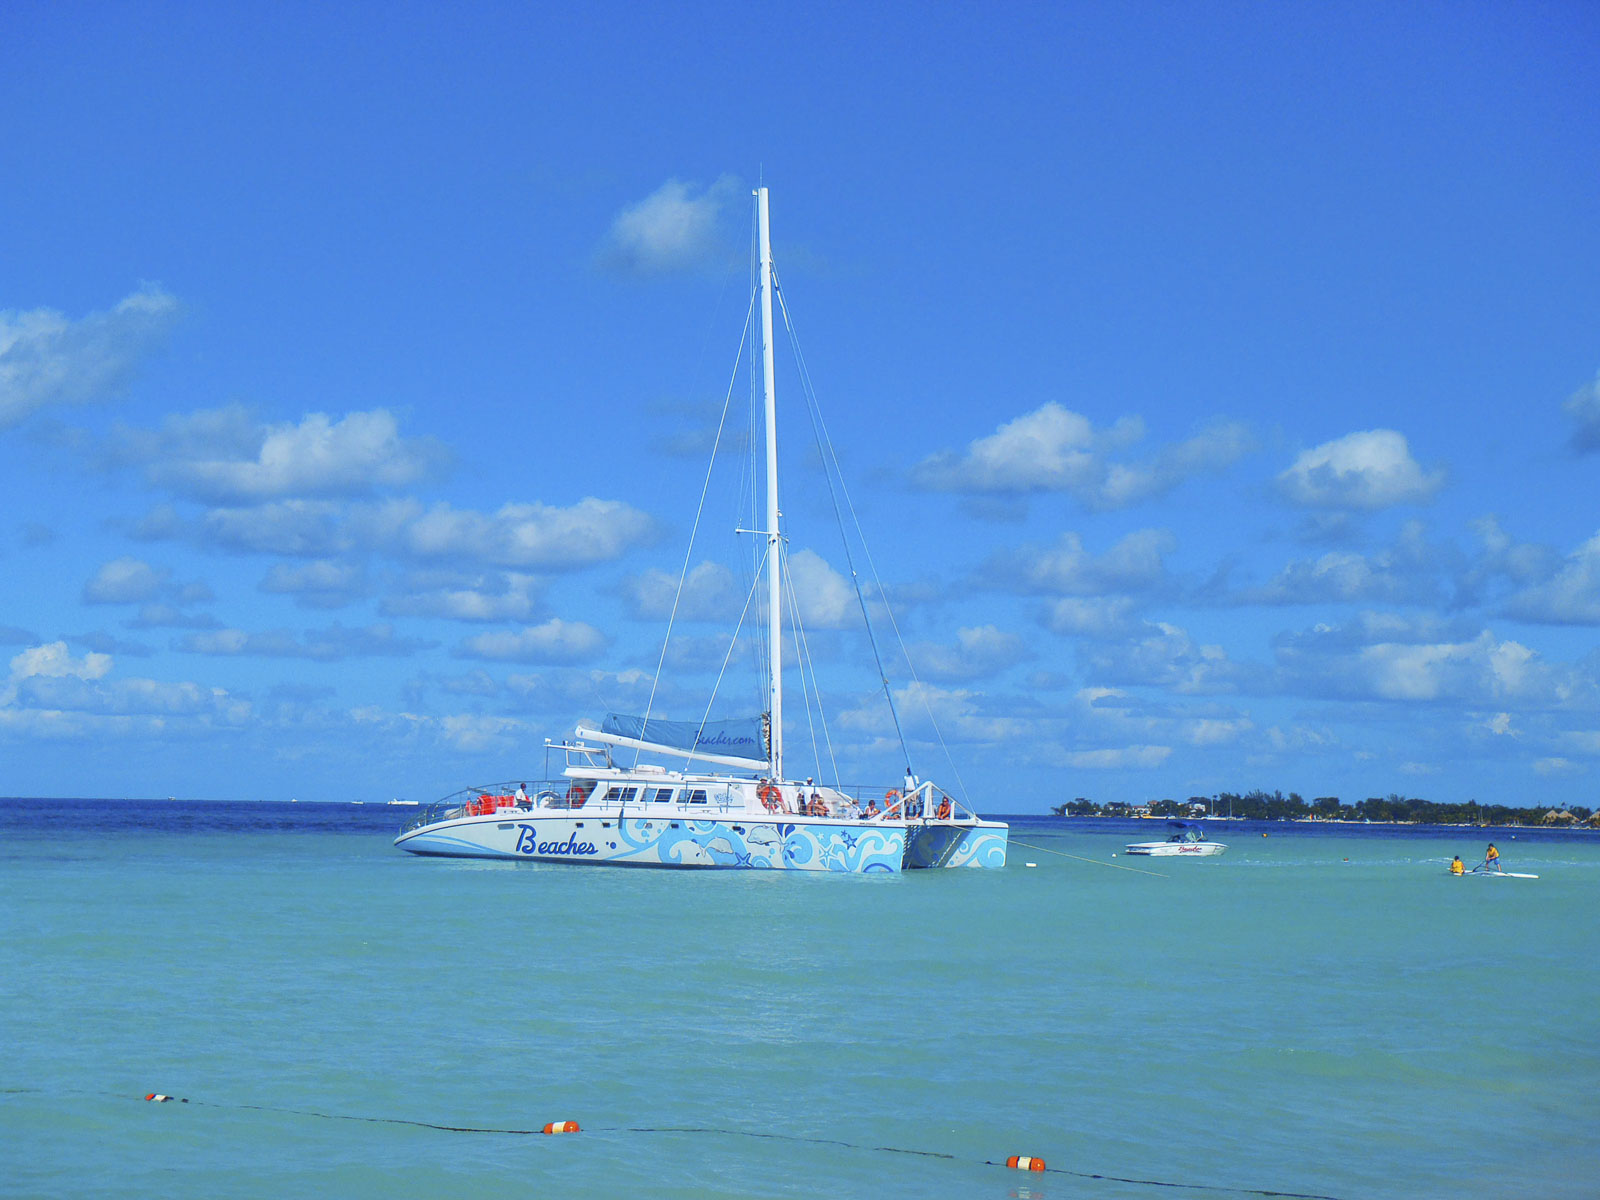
[774, 578]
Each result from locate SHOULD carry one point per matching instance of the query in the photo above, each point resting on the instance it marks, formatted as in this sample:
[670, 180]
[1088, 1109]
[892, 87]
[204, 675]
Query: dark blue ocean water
[1322, 1010]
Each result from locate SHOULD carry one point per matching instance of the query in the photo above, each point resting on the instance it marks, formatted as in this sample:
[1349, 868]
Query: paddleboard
[1493, 875]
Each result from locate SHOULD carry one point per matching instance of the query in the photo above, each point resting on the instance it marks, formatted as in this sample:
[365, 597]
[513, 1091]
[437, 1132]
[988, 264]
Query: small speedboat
[1186, 838]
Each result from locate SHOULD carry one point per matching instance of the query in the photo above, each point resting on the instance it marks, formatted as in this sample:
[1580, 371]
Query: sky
[1217, 388]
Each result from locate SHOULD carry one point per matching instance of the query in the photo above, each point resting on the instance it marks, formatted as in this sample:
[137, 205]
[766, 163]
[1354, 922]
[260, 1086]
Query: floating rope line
[1081, 858]
[572, 1127]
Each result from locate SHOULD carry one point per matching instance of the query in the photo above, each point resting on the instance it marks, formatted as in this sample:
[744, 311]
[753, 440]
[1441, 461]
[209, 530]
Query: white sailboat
[747, 815]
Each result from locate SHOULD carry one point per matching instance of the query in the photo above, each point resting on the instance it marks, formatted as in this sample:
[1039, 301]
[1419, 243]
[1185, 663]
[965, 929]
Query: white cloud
[511, 596]
[824, 597]
[1569, 597]
[516, 535]
[1165, 657]
[326, 645]
[1053, 449]
[126, 581]
[1120, 757]
[225, 457]
[979, 652]
[55, 661]
[528, 535]
[709, 594]
[1092, 616]
[1404, 572]
[1134, 564]
[47, 359]
[1367, 470]
[1583, 407]
[51, 694]
[1551, 767]
[555, 641]
[676, 227]
[1482, 670]
[318, 584]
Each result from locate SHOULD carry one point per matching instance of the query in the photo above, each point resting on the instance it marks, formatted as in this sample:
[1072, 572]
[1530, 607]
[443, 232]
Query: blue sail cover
[744, 738]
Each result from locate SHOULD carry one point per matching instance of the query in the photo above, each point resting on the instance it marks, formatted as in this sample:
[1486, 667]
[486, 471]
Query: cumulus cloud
[327, 645]
[125, 581]
[1053, 449]
[709, 594]
[133, 581]
[516, 535]
[51, 693]
[1571, 596]
[555, 641]
[1092, 616]
[498, 596]
[1367, 470]
[1483, 670]
[979, 652]
[1134, 564]
[318, 584]
[677, 227]
[824, 597]
[1166, 657]
[46, 359]
[1404, 572]
[528, 535]
[1583, 408]
[224, 456]
[1120, 757]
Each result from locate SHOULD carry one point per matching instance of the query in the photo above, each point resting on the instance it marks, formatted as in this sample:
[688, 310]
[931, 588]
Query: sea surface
[1322, 1011]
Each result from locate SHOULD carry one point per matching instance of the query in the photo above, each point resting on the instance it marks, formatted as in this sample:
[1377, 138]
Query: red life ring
[771, 797]
[576, 796]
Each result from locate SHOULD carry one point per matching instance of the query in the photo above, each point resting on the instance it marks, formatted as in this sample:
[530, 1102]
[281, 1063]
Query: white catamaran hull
[791, 843]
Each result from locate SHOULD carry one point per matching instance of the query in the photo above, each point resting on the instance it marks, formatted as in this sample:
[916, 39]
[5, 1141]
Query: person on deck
[522, 796]
[872, 808]
[1457, 867]
[1491, 859]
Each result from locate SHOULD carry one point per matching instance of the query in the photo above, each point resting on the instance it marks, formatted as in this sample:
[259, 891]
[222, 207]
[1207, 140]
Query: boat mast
[774, 580]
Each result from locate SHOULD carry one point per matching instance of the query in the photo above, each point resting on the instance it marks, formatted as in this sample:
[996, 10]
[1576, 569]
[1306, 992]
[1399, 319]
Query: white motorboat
[747, 814]
[1186, 838]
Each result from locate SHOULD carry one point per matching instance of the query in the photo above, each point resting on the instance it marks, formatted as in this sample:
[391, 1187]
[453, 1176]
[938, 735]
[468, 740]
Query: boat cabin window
[698, 796]
[663, 795]
[622, 795]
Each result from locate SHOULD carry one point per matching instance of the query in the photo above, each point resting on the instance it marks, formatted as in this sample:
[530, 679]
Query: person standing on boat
[1457, 867]
[1491, 859]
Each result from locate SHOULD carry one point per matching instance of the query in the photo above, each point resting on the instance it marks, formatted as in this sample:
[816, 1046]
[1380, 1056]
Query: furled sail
[745, 738]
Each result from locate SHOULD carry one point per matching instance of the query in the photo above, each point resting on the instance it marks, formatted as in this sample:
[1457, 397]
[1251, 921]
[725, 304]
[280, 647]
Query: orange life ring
[576, 796]
[771, 797]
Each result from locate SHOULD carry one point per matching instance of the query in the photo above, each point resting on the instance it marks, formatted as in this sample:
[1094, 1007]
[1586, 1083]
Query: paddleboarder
[1491, 859]
[1457, 867]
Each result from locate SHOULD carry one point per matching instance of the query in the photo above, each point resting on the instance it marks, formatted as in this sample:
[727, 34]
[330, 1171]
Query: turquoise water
[1320, 1011]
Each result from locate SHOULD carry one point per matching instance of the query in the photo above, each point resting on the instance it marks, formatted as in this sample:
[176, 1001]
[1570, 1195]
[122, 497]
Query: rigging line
[1081, 858]
[804, 659]
[749, 596]
[800, 661]
[688, 554]
[866, 551]
[824, 448]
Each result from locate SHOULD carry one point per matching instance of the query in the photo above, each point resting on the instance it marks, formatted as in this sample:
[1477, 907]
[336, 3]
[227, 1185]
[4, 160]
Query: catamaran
[730, 803]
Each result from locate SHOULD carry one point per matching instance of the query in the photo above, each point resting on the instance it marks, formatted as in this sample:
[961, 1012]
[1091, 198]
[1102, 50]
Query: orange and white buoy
[561, 1127]
[1021, 1162]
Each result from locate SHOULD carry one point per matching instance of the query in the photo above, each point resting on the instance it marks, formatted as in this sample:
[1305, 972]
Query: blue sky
[1219, 388]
